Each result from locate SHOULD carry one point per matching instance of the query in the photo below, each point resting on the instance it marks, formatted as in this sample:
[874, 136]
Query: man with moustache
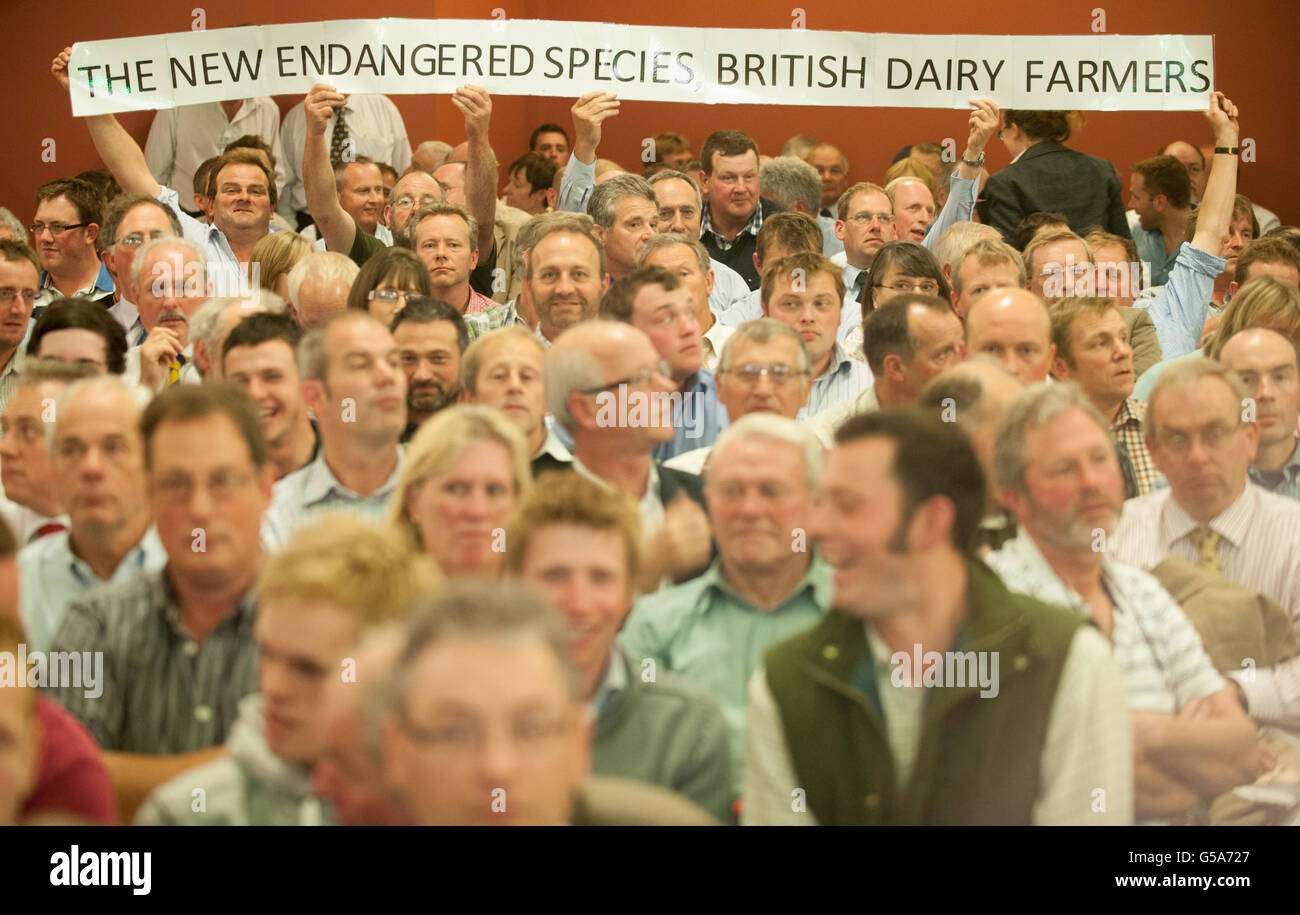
[836, 723]
[431, 337]
[169, 277]
[130, 221]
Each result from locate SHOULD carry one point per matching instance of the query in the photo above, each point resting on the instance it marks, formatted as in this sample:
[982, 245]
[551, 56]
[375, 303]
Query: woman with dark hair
[1045, 174]
[899, 267]
[386, 281]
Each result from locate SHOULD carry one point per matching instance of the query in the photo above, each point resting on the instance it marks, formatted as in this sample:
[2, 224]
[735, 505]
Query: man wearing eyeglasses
[64, 233]
[864, 222]
[19, 289]
[1214, 516]
[130, 222]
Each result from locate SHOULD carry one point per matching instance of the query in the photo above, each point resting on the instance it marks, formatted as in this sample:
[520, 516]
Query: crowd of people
[351, 483]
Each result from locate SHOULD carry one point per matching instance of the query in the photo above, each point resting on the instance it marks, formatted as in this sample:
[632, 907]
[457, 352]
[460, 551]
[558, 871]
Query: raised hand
[59, 67]
[319, 107]
[589, 113]
[475, 104]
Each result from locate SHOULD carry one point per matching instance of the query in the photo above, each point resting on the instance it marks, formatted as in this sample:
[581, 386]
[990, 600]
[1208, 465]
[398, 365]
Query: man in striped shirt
[177, 645]
[1267, 363]
[1212, 514]
[1058, 472]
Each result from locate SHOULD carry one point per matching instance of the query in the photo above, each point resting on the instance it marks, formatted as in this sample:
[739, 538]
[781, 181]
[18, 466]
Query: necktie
[174, 370]
[339, 138]
[1206, 540]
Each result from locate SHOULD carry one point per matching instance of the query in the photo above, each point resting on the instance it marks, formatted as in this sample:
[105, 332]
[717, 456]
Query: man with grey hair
[689, 259]
[1212, 515]
[318, 287]
[765, 584]
[680, 209]
[354, 385]
[607, 386]
[429, 156]
[626, 213]
[796, 185]
[957, 239]
[214, 321]
[130, 221]
[97, 464]
[1192, 739]
[988, 263]
[11, 226]
[169, 279]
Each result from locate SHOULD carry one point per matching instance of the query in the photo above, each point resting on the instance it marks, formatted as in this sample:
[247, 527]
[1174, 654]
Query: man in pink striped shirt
[445, 236]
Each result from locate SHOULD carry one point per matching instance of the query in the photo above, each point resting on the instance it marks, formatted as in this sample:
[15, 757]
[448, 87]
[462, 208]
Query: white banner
[647, 63]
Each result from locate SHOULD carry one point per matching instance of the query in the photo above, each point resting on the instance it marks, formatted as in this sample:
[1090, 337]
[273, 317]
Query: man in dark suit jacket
[1047, 175]
[733, 210]
[606, 385]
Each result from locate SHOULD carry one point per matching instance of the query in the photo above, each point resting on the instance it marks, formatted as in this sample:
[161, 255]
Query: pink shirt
[73, 780]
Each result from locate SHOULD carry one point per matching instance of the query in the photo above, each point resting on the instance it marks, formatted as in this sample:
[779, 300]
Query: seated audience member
[985, 265]
[504, 369]
[1213, 516]
[386, 282]
[214, 321]
[797, 187]
[910, 340]
[464, 473]
[959, 238]
[12, 228]
[177, 644]
[130, 221]
[19, 288]
[1194, 162]
[274, 257]
[477, 661]
[1118, 270]
[81, 332]
[782, 234]
[766, 583]
[318, 287]
[582, 379]
[1192, 740]
[429, 156]
[833, 171]
[1060, 266]
[445, 237]
[1266, 362]
[166, 304]
[566, 274]
[898, 506]
[1014, 327]
[688, 258]
[765, 368]
[1160, 194]
[1261, 302]
[976, 394]
[552, 142]
[1046, 175]
[1033, 223]
[806, 291]
[577, 544]
[655, 301]
[202, 210]
[259, 356]
[33, 505]
[431, 337]
[52, 765]
[352, 381]
[332, 582]
[733, 211]
[864, 222]
[625, 213]
[899, 267]
[97, 465]
[528, 180]
[680, 208]
[673, 149]
[1092, 350]
[65, 235]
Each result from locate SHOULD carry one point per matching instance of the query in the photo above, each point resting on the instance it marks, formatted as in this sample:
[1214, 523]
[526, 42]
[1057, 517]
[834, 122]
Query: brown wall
[1254, 42]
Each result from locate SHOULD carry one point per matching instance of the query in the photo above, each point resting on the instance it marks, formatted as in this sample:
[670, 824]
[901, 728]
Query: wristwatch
[976, 164]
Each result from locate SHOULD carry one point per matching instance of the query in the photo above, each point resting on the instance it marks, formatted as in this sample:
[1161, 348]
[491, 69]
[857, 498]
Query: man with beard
[1059, 474]
[352, 381]
[835, 713]
[566, 275]
[430, 337]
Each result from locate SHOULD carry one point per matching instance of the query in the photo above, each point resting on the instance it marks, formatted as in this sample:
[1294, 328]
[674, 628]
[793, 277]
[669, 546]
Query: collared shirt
[1126, 429]
[576, 186]
[129, 317]
[748, 307]
[729, 288]
[189, 369]
[726, 244]
[479, 303]
[51, 575]
[1151, 250]
[313, 489]
[9, 375]
[698, 417]
[1179, 310]
[493, 317]
[831, 245]
[709, 633]
[613, 683]
[1159, 650]
[825, 423]
[24, 522]
[374, 124]
[714, 339]
[100, 289]
[649, 508]
[161, 691]
[181, 139]
[844, 379]
[1284, 482]
[226, 276]
[1259, 549]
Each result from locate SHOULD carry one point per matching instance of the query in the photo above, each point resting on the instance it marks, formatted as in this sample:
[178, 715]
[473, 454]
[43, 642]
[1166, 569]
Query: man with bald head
[1194, 162]
[1012, 326]
[319, 286]
[1266, 362]
[607, 385]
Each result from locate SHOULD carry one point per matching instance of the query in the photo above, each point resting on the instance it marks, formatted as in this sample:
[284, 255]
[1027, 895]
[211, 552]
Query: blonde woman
[274, 256]
[465, 471]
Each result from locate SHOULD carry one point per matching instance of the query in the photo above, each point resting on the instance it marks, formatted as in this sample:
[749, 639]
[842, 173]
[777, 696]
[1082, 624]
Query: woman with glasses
[386, 281]
[899, 267]
[465, 471]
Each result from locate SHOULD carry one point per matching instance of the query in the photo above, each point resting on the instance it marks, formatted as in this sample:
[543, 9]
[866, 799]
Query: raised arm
[481, 165]
[589, 113]
[121, 154]
[984, 123]
[1215, 214]
[332, 222]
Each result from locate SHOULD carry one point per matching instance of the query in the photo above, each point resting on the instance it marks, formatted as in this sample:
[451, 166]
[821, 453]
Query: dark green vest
[978, 758]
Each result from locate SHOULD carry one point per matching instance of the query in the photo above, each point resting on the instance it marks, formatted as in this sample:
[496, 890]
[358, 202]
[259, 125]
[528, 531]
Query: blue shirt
[1289, 485]
[1179, 309]
[50, 576]
[312, 490]
[698, 417]
[1151, 249]
[831, 245]
[844, 379]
